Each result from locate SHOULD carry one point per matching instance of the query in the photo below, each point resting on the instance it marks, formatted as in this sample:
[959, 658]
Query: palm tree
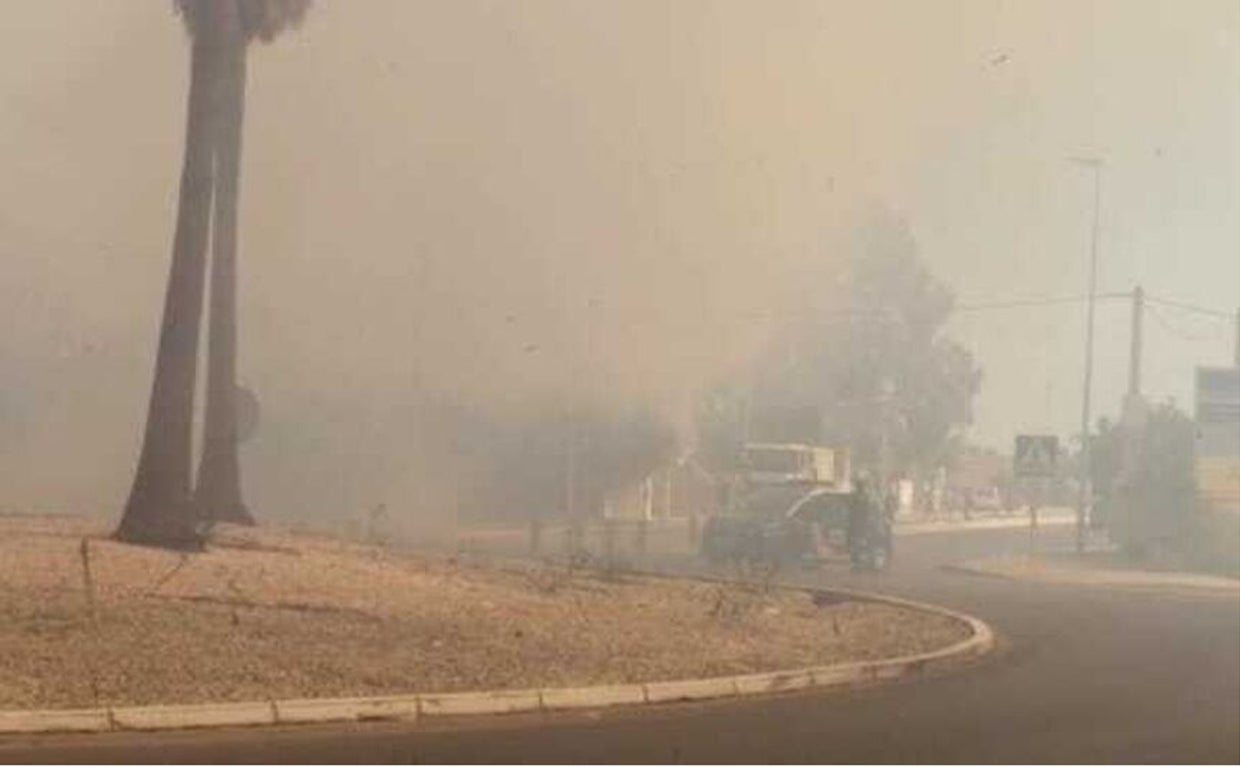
[160, 508]
[218, 494]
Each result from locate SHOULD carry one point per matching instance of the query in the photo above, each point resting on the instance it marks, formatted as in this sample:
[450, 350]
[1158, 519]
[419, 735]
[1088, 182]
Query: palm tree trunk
[218, 494]
[160, 509]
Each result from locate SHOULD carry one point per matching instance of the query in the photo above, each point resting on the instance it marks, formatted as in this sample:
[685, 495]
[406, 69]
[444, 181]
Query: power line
[1167, 326]
[1035, 302]
[854, 312]
[1190, 307]
[843, 313]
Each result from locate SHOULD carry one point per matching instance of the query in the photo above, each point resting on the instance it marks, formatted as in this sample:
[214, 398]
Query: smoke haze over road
[511, 205]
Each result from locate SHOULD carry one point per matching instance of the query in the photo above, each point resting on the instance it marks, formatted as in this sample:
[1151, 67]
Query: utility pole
[1127, 509]
[1237, 350]
[1083, 494]
[1134, 355]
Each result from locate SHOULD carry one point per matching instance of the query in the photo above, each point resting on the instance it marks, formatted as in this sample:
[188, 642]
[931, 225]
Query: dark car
[786, 524]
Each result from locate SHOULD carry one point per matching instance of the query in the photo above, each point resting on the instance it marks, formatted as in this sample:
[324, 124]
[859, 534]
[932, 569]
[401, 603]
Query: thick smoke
[464, 225]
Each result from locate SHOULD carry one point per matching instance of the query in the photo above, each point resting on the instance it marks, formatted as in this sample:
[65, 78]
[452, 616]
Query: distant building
[678, 489]
[977, 477]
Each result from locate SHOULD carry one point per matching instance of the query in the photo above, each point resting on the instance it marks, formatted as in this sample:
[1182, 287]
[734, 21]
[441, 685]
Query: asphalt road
[1084, 675]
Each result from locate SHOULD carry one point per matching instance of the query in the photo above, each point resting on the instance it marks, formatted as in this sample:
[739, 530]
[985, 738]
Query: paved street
[1085, 674]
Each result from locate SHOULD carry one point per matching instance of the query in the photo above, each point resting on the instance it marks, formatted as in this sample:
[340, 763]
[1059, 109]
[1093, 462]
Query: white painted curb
[479, 703]
[213, 715]
[775, 682]
[344, 710]
[690, 690]
[594, 697]
[54, 721]
[416, 706]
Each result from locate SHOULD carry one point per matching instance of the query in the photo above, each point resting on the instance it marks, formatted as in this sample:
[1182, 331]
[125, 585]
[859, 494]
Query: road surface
[1084, 675]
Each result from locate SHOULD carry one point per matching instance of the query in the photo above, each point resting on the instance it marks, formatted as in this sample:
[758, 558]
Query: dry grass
[266, 614]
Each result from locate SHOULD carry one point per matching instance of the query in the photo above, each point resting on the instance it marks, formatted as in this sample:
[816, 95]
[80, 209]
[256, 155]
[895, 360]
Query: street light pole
[1083, 493]
[1136, 342]
[1237, 350]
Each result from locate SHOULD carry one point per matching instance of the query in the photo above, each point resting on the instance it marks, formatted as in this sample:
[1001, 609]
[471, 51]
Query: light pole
[1236, 353]
[1083, 493]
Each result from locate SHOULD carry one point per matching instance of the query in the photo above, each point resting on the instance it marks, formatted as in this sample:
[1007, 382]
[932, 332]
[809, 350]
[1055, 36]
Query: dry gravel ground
[266, 614]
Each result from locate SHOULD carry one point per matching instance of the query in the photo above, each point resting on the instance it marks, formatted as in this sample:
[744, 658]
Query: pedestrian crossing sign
[1036, 455]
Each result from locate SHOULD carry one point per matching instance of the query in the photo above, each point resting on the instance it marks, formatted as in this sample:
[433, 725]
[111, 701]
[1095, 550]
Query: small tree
[1144, 481]
[874, 361]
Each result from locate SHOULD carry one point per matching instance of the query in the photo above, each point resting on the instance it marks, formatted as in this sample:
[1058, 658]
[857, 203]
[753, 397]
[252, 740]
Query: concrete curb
[346, 710]
[593, 697]
[55, 721]
[1202, 584]
[416, 706]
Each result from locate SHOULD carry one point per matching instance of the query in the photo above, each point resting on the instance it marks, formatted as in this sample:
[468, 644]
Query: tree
[1106, 455]
[1143, 477]
[162, 508]
[218, 494]
[875, 362]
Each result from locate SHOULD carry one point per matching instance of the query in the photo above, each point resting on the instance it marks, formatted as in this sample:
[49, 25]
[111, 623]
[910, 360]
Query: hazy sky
[536, 199]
